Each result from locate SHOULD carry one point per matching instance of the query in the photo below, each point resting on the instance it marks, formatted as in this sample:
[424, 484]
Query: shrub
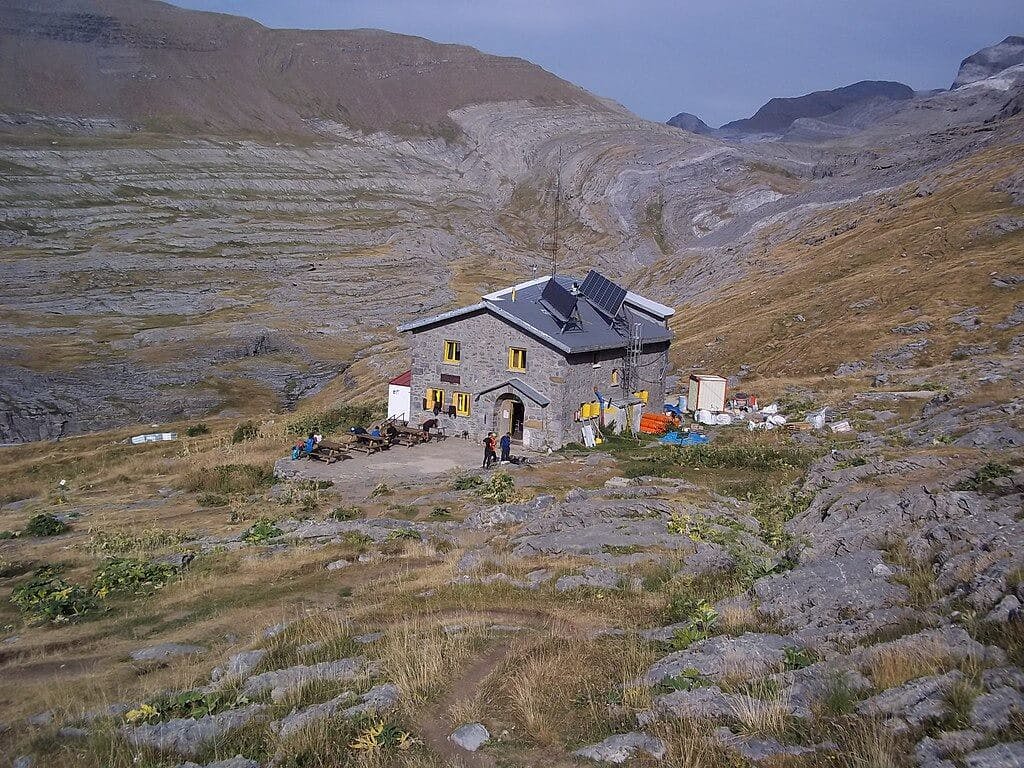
[195, 430]
[700, 619]
[798, 657]
[982, 480]
[338, 419]
[774, 507]
[118, 542]
[45, 524]
[244, 432]
[467, 482]
[347, 513]
[440, 513]
[5, 535]
[131, 576]
[688, 680]
[381, 489]
[501, 489]
[262, 531]
[50, 598]
[752, 454]
[227, 479]
[403, 534]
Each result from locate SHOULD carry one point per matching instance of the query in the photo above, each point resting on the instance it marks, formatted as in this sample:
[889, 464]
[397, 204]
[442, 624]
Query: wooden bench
[330, 451]
[369, 444]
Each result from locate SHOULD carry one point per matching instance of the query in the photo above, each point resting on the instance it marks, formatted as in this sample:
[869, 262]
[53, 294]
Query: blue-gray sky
[718, 59]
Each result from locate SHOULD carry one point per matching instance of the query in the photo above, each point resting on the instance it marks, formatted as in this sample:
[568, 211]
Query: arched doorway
[509, 414]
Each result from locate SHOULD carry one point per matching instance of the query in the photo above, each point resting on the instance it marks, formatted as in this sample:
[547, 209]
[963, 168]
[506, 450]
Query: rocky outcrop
[691, 123]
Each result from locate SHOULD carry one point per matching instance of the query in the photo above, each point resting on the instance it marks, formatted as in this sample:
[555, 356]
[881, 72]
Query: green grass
[226, 479]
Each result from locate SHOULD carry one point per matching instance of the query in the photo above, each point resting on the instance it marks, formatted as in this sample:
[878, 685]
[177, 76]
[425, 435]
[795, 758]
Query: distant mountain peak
[779, 114]
[691, 123]
[990, 61]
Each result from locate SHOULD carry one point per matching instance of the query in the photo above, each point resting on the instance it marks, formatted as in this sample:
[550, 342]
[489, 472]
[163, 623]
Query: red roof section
[402, 380]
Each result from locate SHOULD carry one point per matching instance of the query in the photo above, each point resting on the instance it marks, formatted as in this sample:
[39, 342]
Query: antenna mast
[553, 245]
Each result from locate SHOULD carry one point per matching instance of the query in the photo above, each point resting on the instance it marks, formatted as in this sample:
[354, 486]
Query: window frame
[433, 390]
[457, 347]
[457, 399]
[511, 356]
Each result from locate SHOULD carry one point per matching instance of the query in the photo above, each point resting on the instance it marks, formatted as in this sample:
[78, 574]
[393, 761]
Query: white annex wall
[398, 402]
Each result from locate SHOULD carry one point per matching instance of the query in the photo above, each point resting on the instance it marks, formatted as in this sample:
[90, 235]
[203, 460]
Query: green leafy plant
[467, 482]
[49, 597]
[45, 524]
[982, 480]
[347, 513]
[501, 489]
[700, 621]
[212, 500]
[262, 531]
[186, 704]
[131, 576]
[196, 430]
[382, 735]
[403, 534]
[244, 432]
[799, 657]
[440, 513]
[688, 680]
[6, 535]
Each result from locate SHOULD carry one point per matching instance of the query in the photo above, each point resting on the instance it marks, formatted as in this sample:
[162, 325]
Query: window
[516, 359]
[452, 351]
[461, 401]
[435, 397]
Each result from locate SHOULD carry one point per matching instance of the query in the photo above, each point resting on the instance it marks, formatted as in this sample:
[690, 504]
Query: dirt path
[433, 725]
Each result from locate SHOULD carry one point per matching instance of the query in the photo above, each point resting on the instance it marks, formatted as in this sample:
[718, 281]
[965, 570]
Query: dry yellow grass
[889, 667]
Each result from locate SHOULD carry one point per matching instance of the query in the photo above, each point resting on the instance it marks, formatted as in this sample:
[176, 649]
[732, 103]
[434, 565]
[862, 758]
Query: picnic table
[369, 444]
[330, 451]
[408, 436]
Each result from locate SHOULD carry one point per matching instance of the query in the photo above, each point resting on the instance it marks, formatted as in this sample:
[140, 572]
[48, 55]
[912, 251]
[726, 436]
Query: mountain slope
[157, 66]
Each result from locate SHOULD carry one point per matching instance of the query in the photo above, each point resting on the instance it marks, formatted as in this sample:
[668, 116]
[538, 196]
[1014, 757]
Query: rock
[238, 665]
[759, 750]
[904, 356]
[337, 565]
[932, 752]
[72, 732]
[24, 761]
[1007, 608]
[232, 762]
[708, 558]
[807, 688]
[834, 599]
[992, 711]
[508, 514]
[470, 737]
[188, 736]
[950, 642]
[621, 747]
[1016, 317]
[593, 576]
[912, 704]
[280, 681]
[967, 320]
[40, 719]
[307, 648]
[376, 701]
[848, 369]
[910, 329]
[706, 703]
[296, 721]
[369, 637]
[1000, 756]
[275, 630]
[749, 655]
[618, 482]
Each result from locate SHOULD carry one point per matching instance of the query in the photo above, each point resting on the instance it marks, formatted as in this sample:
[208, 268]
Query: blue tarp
[690, 438]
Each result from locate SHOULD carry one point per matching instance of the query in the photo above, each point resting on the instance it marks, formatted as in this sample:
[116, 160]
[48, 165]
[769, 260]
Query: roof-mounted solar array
[557, 300]
[606, 296]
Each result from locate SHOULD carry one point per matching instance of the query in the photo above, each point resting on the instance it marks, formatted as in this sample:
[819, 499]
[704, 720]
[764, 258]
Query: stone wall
[566, 381]
[485, 340]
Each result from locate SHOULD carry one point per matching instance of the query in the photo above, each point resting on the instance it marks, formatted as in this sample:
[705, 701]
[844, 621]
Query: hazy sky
[718, 59]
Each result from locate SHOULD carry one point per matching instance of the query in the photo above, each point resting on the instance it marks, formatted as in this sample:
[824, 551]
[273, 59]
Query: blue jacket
[506, 442]
[309, 445]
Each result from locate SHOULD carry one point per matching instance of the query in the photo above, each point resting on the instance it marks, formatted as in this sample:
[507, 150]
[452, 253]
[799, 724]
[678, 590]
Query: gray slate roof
[593, 333]
[521, 387]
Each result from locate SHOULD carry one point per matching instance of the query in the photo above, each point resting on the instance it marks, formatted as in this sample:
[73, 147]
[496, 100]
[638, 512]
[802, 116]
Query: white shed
[400, 396]
[707, 393]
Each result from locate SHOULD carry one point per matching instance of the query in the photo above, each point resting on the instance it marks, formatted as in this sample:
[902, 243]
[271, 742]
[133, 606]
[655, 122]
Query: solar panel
[606, 296]
[558, 301]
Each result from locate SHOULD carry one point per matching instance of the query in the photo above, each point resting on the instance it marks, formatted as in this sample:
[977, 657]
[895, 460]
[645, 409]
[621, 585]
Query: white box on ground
[707, 393]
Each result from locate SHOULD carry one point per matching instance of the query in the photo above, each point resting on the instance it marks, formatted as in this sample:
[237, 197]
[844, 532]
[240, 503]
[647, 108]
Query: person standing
[506, 447]
[487, 451]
